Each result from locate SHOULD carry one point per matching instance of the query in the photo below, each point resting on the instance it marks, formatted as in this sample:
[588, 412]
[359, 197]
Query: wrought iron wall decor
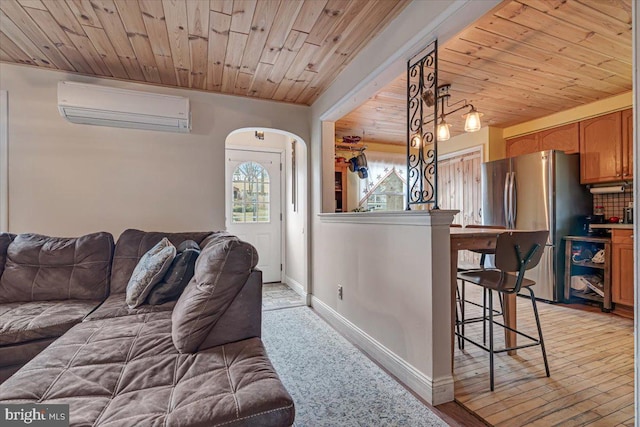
[422, 143]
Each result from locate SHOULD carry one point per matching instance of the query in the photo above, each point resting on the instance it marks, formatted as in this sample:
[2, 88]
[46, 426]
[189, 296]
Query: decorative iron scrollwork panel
[422, 150]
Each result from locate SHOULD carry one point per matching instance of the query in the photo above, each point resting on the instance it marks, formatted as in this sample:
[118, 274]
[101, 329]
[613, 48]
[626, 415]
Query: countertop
[620, 226]
[592, 239]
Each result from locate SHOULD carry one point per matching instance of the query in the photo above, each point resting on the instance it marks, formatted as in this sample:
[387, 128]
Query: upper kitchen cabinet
[627, 144]
[564, 138]
[601, 149]
[523, 145]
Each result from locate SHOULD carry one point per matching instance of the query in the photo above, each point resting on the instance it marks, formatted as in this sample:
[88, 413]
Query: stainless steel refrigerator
[539, 191]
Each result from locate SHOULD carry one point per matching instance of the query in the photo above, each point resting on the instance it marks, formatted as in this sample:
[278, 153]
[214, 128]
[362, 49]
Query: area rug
[332, 383]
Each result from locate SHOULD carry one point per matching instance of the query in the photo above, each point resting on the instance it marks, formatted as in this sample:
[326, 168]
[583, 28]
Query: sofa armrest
[243, 317]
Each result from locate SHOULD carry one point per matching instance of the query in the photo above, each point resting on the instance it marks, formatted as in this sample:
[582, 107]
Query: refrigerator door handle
[514, 200]
[507, 217]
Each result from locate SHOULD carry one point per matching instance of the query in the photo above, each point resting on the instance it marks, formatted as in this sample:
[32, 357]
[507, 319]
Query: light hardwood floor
[591, 362]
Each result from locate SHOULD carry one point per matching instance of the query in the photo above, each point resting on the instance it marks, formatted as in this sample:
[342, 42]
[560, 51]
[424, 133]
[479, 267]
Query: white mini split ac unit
[106, 106]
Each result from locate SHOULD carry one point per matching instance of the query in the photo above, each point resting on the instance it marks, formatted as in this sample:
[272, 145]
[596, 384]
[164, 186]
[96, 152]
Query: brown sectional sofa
[47, 285]
[195, 362]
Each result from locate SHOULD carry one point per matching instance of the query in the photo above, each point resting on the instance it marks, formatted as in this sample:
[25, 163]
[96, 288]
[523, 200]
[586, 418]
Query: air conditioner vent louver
[106, 106]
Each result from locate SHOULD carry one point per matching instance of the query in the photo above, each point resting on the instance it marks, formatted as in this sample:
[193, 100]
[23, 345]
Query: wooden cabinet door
[601, 149]
[526, 144]
[622, 275]
[622, 267]
[627, 144]
[564, 138]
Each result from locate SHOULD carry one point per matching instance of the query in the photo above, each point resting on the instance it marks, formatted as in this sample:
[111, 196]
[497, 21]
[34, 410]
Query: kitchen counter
[591, 239]
[617, 226]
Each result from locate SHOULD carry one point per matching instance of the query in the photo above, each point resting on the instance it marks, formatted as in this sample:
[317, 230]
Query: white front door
[253, 205]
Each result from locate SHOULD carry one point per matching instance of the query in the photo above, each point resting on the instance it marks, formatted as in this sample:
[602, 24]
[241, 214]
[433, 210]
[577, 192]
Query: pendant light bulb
[416, 141]
[443, 131]
[472, 122]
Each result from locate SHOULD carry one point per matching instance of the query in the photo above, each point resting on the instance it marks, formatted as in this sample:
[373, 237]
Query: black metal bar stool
[516, 252]
[461, 321]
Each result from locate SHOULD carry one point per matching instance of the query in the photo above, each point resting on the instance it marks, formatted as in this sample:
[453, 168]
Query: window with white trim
[384, 189]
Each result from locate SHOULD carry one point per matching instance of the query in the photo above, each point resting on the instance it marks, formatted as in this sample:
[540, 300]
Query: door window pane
[250, 194]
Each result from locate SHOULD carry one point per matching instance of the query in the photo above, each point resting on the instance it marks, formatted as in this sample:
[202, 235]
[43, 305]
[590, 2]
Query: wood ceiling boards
[286, 50]
[524, 60]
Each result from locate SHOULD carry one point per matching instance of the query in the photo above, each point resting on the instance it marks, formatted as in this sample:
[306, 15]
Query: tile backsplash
[614, 204]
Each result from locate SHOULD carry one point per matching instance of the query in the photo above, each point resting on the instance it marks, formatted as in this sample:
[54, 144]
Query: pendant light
[472, 122]
[443, 130]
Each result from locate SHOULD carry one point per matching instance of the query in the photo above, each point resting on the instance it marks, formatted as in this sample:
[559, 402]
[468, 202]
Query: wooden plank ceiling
[524, 60]
[286, 50]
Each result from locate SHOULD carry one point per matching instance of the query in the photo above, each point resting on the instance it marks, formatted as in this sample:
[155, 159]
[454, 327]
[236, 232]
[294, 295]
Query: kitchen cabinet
[627, 144]
[606, 148]
[525, 144]
[341, 187]
[622, 267]
[564, 138]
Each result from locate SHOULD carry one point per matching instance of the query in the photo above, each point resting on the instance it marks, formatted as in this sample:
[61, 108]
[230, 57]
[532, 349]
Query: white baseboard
[434, 391]
[298, 288]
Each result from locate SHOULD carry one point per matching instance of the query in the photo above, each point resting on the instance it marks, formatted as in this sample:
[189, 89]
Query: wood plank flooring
[591, 362]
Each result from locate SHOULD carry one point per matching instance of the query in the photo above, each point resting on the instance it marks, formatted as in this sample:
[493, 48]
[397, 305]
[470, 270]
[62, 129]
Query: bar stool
[516, 252]
[461, 297]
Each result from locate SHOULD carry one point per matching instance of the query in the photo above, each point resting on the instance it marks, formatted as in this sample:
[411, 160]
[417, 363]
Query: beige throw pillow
[149, 271]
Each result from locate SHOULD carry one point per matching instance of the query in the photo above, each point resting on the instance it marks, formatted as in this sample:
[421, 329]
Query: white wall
[379, 299]
[297, 255]
[68, 179]
[247, 139]
[394, 294]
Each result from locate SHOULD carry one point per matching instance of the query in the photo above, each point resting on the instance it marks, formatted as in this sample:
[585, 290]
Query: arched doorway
[266, 193]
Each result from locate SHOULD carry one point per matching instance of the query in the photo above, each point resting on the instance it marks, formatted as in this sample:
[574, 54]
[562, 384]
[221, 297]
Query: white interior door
[253, 205]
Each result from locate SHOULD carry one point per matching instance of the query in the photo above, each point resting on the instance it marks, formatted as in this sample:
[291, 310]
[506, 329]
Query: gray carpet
[332, 383]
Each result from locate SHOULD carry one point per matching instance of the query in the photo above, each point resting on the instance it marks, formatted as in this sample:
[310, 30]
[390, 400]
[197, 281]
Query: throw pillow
[178, 276]
[150, 270]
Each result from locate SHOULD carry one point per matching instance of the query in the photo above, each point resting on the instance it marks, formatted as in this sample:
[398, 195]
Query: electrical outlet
[339, 291]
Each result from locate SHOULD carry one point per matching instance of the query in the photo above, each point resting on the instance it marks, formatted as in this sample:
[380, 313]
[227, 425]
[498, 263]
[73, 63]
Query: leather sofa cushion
[5, 241]
[221, 271]
[42, 268]
[115, 306]
[132, 244]
[12, 357]
[21, 353]
[134, 376]
[29, 321]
